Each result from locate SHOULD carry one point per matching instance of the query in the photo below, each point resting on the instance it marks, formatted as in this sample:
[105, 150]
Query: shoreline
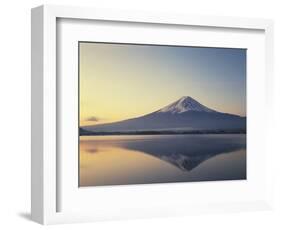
[198, 132]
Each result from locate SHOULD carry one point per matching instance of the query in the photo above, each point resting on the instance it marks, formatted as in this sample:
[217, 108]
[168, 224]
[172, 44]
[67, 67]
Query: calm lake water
[142, 159]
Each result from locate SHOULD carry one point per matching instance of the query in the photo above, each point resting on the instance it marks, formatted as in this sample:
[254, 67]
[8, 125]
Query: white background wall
[15, 113]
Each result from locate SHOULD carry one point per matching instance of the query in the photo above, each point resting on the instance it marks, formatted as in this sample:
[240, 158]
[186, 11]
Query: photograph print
[160, 114]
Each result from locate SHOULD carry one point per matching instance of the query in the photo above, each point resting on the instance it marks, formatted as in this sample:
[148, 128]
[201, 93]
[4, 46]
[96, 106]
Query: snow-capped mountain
[185, 104]
[184, 114]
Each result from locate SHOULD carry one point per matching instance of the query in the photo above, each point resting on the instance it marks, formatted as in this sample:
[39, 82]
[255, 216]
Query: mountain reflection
[185, 152]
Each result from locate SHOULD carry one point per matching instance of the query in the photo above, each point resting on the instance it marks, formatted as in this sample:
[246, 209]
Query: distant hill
[185, 114]
[83, 132]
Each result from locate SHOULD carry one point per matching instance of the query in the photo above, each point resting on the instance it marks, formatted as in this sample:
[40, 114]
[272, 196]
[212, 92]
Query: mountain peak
[185, 104]
[186, 99]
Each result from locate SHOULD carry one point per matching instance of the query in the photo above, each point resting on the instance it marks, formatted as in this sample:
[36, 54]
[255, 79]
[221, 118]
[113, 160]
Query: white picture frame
[46, 173]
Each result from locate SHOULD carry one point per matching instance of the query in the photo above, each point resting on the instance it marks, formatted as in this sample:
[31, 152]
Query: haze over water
[141, 159]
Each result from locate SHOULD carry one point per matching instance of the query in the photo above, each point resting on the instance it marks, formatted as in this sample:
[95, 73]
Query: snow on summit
[185, 104]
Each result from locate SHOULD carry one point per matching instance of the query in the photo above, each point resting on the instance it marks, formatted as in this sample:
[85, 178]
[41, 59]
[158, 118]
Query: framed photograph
[138, 114]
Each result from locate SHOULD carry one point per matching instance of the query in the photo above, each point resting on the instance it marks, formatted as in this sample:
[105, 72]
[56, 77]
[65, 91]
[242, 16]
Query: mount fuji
[183, 115]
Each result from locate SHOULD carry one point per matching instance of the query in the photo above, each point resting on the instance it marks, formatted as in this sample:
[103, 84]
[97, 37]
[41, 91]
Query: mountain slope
[184, 114]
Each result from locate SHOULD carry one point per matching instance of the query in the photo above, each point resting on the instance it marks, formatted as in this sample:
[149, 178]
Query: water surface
[142, 159]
